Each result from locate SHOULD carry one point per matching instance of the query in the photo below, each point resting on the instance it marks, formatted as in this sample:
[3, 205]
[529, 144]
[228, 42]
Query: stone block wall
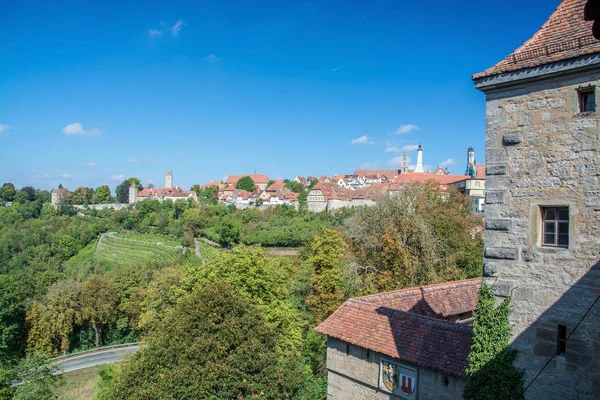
[354, 375]
[540, 151]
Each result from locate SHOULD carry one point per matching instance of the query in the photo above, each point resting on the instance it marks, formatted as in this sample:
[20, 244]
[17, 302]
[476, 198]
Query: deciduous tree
[123, 192]
[8, 192]
[214, 345]
[246, 183]
[326, 253]
[99, 303]
[102, 195]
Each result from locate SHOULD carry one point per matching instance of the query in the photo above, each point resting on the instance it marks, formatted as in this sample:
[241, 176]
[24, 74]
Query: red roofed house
[260, 180]
[542, 214]
[170, 192]
[410, 343]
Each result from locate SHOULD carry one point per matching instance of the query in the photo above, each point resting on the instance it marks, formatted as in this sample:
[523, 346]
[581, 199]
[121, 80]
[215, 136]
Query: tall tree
[123, 192]
[82, 195]
[12, 319]
[326, 253]
[214, 345]
[30, 190]
[246, 183]
[136, 182]
[8, 192]
[99, 303]
[102, 195]
[64, 306]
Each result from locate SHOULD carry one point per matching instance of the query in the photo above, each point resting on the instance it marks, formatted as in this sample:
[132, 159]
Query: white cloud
[448, 162]
[362, 140]
[3, 129]
[211, 57]
[335, 69]
[91, 164]
[404, 149]
[118, 178]
[66, 175]
[406, 128]
[410, 147]
[395, 161]
[369, 165]
[154, 32]
[175, 29]
[77, 129]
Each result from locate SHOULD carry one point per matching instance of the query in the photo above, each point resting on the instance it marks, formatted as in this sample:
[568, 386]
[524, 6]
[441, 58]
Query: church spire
[404, 164]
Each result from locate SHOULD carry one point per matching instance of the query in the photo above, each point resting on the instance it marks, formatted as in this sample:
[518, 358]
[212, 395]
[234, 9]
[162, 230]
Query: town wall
[114, 206]
[355, 376]
[540, 151]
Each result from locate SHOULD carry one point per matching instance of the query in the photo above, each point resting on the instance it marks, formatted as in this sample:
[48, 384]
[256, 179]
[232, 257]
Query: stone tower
[470, 161]
[133, 192]
[169, 180]
[542, 203]
[419, 167]
[404, 164]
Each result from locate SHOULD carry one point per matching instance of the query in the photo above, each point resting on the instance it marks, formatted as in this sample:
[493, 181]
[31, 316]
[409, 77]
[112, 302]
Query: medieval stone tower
[542, 212]
[133, 192]
[169, 180]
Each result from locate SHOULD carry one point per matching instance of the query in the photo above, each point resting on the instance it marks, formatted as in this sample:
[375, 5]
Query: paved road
[97, 358]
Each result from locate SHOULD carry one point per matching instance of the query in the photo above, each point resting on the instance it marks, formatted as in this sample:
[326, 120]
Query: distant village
[325, 193]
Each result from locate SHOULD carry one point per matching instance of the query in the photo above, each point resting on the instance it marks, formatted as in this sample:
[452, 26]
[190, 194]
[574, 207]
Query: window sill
[585, 114]
[552, 250]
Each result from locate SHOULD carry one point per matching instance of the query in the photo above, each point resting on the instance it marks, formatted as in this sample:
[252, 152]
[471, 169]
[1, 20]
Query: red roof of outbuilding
[409, 324]
[565, 35]
[257, 178]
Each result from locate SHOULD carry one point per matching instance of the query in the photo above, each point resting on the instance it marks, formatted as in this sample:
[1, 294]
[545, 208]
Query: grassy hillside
[115, 251]
[122, 249]
[208, 252]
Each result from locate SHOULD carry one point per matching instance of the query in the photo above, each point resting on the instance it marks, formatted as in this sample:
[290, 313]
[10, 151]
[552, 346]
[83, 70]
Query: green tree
[102, 195]
[82, 195]
[7, 192]
[136, 182]
[491, 374]
[123, 192]
[21, 197]
[270, 183]
[12, 319]
[31, 194]
[64, 308]
[99, 303]
[246, 183]
[68, 246]
[163, 292]
[326, 254]
[213, 345]
[295, 187]
[38, 378]
[229, 231]
[418, 236]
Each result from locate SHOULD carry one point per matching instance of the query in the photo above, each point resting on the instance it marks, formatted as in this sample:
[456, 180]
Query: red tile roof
[259, 179]
[422, 177]
[565, 35]
[388, 173]
[276, 186]
[407, 324]
[480, 169]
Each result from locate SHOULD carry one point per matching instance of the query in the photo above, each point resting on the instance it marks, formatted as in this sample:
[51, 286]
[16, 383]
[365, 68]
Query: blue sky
[93, 92]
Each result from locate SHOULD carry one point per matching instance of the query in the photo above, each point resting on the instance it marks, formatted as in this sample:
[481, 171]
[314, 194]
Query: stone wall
[114, 206]
[540, 151]
[355, 376]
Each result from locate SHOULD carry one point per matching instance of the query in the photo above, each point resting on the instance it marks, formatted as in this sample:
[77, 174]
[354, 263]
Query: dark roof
[564, 36]
[409, 325]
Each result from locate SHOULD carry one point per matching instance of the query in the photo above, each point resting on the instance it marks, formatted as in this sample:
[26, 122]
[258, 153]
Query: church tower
[404, 164]
[133, 192]
[169, 180]
[470, 161]
[419, 167]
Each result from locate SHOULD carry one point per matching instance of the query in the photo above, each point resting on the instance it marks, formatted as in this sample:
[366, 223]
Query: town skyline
[209, 95]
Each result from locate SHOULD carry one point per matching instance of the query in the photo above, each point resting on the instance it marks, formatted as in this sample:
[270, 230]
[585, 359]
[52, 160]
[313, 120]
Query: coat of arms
[391, 375]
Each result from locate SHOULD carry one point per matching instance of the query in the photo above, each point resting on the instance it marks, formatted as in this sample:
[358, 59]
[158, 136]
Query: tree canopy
[213, 345]
[246, 183]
